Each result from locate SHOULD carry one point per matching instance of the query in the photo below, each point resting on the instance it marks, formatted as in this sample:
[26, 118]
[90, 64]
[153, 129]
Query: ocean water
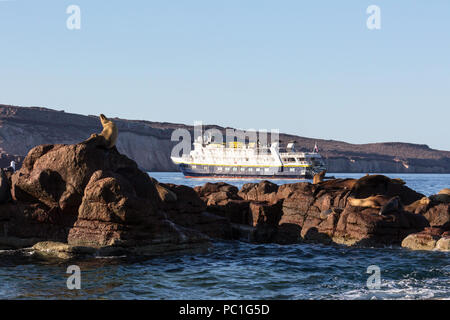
[236, 270]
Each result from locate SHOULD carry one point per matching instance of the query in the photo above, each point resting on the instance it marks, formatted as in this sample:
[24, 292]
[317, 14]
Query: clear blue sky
[310, 68]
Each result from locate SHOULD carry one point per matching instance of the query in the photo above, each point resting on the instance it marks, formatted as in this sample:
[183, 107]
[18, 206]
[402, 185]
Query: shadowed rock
[87, 196]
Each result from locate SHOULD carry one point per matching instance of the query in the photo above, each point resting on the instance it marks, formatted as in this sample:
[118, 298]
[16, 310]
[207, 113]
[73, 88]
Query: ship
[252, 160]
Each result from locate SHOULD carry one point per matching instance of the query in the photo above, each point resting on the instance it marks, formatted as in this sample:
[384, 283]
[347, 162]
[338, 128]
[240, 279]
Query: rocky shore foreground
[76, 199]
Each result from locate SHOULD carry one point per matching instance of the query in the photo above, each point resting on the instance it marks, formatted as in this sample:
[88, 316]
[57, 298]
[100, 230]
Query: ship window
[242, 169]
[250, 169]
[258, 169]
[205, 167]
[292, 169]
[219, 168]
[227, 169]
[194, 167]
[266, 169]
[234, 169]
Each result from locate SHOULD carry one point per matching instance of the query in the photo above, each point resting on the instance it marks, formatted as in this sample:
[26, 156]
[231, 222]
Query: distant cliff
[148, 143]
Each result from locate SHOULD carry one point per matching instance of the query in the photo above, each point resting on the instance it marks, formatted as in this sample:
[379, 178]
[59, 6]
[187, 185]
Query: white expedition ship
[239, 160]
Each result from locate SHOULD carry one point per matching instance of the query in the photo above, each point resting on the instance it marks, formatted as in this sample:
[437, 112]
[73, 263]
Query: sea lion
[319, 177]
[373, 184]
[370, 202]
[440, 198]
[393, 205]
[445, 191]
[108, 137]
[416, 204]
[165, 194]
[399, 181]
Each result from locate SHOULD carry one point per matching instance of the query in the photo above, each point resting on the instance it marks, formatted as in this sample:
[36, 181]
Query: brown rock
[5, 187]
[165, 194]
[438, 215]
[190, 211]
[429, 239]
[84, 195]
[262, 191]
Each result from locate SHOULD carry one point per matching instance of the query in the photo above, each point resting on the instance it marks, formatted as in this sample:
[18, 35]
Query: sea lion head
[104, 119]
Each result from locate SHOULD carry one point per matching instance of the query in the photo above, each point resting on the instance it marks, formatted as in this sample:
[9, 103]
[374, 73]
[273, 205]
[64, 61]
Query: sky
[310, 68]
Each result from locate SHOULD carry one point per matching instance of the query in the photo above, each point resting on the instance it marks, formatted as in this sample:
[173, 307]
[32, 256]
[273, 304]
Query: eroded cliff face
[148, 143]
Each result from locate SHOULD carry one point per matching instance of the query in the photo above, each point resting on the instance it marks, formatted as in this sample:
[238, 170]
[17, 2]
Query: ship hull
[245, 172]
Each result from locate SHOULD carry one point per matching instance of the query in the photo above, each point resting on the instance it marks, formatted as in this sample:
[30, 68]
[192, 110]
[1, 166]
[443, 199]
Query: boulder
[190, 211]
[222, 199]
[262, 191]
[431, 238]
[5, 187]
[265, 218]
[87, 196]
[438, 215]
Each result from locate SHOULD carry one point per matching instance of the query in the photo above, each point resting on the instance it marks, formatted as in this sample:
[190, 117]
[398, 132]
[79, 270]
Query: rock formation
[436, 237]
[90, 197]
[85, 199]
[322, 212]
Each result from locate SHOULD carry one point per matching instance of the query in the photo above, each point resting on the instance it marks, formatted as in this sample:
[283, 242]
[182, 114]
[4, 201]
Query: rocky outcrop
[430, 239]
[321, 212]
[89, 197]
[5, 186]
[437, 236]
[149, 143]
[84, 199]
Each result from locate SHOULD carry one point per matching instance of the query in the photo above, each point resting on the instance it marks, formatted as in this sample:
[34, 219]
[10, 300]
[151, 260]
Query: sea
[238, 270]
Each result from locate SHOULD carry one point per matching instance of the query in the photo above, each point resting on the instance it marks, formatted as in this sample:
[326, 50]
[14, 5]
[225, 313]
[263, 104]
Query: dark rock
[92, 197]
[191, 212]
[262, 191]
[432, 238]
[5, 187]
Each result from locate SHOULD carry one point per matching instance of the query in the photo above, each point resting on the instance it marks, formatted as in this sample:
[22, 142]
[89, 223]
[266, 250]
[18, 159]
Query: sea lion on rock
[319, 177]
[445, 191]
[370, 202]
[165, 194]
[399, 181]
[416, 204]
[440, 198]
[108, 137]
[393, 205]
